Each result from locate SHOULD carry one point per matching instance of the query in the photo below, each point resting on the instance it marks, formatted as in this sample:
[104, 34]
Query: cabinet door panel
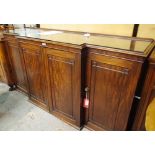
[107, 83]
[111, 91]
[35, 74]
[17, 65]
[61, 73]
[64, 84]
[33, 69]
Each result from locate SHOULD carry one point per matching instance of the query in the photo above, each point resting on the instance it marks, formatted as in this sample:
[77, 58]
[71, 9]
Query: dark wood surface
[3, 76]
[112, 82]
[2, 72]
[148, 93]
[63, 70]
[15, 58]
[35, 72]
[6, 70]
[52, 75]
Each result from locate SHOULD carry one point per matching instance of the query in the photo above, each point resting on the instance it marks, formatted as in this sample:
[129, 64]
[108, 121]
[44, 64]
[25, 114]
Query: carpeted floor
[18, 114]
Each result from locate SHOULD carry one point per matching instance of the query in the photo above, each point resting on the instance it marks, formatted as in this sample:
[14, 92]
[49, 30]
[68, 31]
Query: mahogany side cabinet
[58, 71]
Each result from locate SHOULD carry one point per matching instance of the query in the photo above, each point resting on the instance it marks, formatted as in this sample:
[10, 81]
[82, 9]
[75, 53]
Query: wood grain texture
[16, 61]
[3, 76]
[33, 61]
[114, 78]
[63, 72]
[112, 83]
[8, 76]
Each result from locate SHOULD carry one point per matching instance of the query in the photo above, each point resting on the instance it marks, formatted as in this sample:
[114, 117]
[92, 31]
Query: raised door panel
[35, 75]
[17, 66]
[111, 93]
[62, 71]
[107, 82]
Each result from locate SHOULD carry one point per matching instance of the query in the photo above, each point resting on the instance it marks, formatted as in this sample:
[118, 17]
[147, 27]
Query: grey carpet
[18, 114]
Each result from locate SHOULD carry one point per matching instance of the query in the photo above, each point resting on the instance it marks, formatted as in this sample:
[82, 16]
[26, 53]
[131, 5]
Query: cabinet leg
[12, 87]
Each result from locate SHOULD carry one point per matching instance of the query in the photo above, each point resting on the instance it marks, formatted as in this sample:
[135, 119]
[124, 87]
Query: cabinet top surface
[125, 43]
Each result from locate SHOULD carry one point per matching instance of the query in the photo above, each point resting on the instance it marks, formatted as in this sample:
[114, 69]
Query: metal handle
[87, 91]
[137, 97]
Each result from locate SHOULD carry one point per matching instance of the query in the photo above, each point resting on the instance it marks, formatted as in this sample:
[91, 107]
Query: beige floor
[18, 114]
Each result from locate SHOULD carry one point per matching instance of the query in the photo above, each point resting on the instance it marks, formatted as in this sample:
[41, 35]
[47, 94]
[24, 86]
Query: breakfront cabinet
[55, 71]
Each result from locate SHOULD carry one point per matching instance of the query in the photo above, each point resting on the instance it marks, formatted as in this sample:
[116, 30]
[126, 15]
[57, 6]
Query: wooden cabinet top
[133, 46]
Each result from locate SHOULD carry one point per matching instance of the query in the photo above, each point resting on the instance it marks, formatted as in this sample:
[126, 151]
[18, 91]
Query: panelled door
[63, 72]
[35, 71]
[17, 65]
[112, 82]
